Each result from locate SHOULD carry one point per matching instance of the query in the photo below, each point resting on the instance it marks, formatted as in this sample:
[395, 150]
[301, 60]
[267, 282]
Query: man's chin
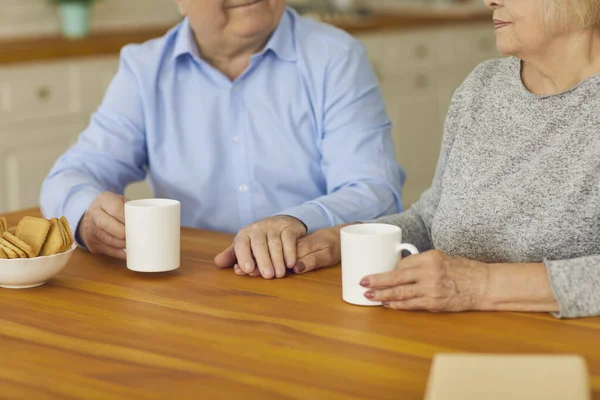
[253, 29]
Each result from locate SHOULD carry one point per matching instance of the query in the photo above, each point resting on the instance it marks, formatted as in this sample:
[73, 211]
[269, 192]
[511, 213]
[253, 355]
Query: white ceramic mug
[152, 228]
[369, 249]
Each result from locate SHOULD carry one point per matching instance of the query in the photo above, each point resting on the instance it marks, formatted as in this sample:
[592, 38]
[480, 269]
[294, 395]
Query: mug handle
[408, 247]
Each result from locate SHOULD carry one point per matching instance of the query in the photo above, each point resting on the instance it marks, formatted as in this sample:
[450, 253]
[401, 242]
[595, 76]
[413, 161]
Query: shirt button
[236, 139]
[243, 188]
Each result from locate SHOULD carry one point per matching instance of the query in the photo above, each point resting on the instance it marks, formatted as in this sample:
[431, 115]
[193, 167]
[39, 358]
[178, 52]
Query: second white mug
[369, 249]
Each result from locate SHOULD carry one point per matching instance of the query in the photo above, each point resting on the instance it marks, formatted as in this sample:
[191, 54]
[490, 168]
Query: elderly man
[251, 116]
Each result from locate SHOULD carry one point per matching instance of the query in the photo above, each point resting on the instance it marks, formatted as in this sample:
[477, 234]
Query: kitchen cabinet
[43, 109]
[44, 106]
[28, 160]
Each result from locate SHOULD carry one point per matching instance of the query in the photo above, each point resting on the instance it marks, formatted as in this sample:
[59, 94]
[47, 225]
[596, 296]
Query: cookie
[9, 253]
[18, 243]
[9, 245]
[54, 241]
[33, 231]
[3, 225]
[68, 234]
[12, 230]
[65, 237]
[3, 255]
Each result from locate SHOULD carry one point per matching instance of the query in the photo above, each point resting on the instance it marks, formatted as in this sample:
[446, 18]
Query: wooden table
[100, 331]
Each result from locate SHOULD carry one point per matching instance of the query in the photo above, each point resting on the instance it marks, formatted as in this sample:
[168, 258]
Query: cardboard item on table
[508, 377]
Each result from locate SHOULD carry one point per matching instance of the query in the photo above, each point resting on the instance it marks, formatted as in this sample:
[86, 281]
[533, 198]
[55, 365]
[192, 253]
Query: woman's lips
[500, 24]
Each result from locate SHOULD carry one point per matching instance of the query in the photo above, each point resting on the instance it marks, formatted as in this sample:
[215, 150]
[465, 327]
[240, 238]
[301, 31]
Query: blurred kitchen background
[54, 69]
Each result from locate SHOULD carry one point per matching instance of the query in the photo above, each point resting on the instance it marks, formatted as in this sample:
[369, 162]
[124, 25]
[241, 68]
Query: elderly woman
[512, 219]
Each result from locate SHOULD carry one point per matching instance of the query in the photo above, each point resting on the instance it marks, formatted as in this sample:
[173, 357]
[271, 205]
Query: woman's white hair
[571, 15]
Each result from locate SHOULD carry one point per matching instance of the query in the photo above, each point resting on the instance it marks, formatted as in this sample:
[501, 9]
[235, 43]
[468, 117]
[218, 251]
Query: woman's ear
[181, 6]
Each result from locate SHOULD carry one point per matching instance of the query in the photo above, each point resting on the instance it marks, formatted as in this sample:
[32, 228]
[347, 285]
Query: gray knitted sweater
[518, 180]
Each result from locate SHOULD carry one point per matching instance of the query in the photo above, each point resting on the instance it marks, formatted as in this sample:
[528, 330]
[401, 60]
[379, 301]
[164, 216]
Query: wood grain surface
[110, 42]
[100, 331]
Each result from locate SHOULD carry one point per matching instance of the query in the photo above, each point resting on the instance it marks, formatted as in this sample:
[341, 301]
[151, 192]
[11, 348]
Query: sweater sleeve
[417, 220]
[576, 285]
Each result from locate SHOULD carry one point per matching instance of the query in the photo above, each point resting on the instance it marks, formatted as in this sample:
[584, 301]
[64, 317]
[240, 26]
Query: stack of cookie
[34, 237]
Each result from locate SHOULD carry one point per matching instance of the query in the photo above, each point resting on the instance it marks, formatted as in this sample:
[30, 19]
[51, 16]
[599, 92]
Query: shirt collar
[281, 42]
[185, 42]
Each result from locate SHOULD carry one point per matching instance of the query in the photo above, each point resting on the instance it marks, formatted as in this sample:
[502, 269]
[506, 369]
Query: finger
[289, 239]
[108, 224]
[260, 249]
[412, 261]
[276, 254]
[396, 277]
[114, 205]
[110, 240]
[417, 303]
[304, 247]
[240, 272]
[101, 248]
[226, 258]
[396, 293]
[256, 272]
[243, 252]
[318, 259]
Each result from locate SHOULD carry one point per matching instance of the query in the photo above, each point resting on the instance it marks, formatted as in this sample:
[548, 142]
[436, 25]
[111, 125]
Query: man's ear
[181, 6]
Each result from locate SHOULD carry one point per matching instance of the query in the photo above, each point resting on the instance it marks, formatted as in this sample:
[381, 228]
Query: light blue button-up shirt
[302, 132]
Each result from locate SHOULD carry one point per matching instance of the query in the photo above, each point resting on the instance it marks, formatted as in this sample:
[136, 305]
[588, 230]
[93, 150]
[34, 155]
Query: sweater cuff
[573, 288]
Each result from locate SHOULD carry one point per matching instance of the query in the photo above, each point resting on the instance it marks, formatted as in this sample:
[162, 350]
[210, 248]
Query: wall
[19, 18]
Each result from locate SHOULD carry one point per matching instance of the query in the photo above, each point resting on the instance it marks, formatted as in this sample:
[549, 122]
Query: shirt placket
[239, 141]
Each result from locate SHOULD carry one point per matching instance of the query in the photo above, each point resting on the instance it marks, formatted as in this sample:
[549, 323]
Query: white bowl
[23, 273]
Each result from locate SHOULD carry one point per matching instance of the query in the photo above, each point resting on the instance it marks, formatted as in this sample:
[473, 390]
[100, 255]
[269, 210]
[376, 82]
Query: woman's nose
[493, 4]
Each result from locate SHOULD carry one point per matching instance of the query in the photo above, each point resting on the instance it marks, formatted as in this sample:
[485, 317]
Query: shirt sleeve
[110, 153]
[357, 152]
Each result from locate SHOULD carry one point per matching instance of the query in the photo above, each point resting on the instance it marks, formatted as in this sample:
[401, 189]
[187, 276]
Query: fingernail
[281, 275]
[386, 303]
[268, 273]
[370, 295]
[364, 282]
[300, 267]
[247, 268]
